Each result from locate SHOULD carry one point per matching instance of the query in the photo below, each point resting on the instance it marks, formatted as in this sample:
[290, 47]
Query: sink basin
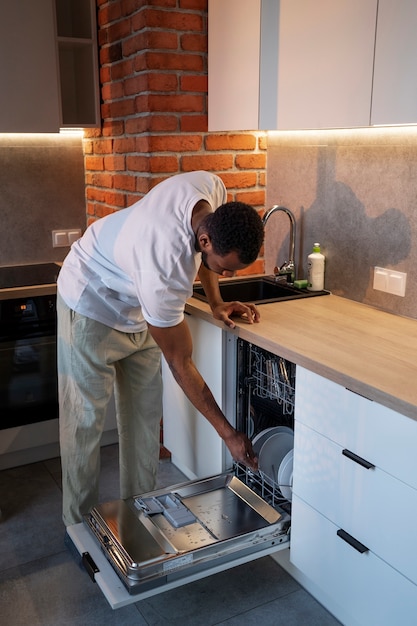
[259, 289]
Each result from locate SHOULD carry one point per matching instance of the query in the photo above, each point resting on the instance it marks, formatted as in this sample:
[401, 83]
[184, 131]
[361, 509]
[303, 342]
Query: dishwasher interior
[177, 532]
[265, 412]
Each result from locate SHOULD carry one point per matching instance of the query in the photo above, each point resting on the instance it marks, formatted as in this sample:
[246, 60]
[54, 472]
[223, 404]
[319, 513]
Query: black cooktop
[28, 275]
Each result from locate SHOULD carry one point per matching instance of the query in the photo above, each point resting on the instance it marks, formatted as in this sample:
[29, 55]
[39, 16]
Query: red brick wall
[153, 74]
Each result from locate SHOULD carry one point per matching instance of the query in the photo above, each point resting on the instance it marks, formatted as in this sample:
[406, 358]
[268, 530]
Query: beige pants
[92, 360]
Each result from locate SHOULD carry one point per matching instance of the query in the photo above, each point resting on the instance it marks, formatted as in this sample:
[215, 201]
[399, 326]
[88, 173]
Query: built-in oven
[28, 379]
[28, 371]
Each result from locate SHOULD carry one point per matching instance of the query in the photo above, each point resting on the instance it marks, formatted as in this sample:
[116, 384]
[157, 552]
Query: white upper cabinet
[394, 99]
[290, 64]
[302, 64]
[325, 62]
[29, 100]
[234, 35]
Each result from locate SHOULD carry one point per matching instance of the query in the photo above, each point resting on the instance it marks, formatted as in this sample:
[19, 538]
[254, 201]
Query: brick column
[153, 74]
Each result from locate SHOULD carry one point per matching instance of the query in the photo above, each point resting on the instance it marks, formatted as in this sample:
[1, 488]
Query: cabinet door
[29, 99]
[309, 62]
[381, 435]
[78, 63]
[359, 588]
[325, 63]
[358, 497]
[233, 64]
[394, 98]
[196, 448]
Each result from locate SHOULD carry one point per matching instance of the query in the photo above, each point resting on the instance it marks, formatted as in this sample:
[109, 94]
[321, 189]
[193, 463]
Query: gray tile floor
[41, 583]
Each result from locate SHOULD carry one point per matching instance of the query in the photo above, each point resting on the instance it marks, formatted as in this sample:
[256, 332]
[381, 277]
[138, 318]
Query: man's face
[226, 265]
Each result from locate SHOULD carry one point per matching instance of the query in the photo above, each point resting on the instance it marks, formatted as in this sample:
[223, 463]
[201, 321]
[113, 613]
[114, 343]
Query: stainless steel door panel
[145, 544]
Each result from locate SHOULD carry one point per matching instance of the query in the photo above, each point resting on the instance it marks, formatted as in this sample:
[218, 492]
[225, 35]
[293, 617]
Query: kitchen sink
[259, 289]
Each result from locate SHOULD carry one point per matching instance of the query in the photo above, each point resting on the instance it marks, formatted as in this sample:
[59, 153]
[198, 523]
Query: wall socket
[390, 281]
[64, 238]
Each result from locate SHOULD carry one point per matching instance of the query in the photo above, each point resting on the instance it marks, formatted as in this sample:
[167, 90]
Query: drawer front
[364, 586]
[368, 503]
[386, 438]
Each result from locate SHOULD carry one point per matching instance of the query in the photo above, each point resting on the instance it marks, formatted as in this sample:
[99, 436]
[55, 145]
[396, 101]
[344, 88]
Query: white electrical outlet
[64, 238]
[59, 238]
[390, 281]
[73, 235]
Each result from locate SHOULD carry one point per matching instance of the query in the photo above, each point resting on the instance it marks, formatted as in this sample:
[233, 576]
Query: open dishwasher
[156, 541]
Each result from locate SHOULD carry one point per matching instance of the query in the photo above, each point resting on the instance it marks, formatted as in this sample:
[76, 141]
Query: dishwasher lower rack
[264, 487]
[169, 534]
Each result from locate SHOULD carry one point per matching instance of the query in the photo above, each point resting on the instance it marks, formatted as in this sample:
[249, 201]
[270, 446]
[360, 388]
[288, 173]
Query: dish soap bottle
[315, 265]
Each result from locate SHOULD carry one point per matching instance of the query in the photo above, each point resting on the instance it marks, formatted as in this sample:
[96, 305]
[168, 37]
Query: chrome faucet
[287, 269]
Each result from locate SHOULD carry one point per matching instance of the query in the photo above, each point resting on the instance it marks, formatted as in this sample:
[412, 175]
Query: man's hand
[224, 310]
[240, 448]
[247, 311]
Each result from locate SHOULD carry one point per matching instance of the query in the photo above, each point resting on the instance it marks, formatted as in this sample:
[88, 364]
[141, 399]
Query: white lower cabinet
[354, 503]
[196, 448]
[361, 589]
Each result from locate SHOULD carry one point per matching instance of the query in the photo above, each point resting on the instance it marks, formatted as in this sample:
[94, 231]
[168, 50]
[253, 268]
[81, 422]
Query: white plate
[273, 451]
[260, 438]
[285, 475]
[251, 426]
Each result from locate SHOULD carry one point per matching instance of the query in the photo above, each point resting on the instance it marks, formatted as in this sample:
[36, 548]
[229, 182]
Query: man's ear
[204, 242]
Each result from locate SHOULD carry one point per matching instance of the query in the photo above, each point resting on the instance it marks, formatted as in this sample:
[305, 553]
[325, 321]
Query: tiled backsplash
[41, 189]
[355, 192]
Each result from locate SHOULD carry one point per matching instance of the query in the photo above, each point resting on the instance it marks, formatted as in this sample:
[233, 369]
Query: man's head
[235, 233]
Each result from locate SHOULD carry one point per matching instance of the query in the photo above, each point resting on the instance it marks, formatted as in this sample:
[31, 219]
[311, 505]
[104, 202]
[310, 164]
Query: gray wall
[354, 191]
[41, 189]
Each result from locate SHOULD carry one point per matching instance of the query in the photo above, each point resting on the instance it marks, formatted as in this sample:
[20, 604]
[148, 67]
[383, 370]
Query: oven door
[28, 381]
[28, 372]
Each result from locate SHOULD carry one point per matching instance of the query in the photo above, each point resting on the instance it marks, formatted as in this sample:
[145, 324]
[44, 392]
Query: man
[121, 296]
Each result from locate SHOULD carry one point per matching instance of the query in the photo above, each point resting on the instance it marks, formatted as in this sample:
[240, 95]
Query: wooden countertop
[370, 352]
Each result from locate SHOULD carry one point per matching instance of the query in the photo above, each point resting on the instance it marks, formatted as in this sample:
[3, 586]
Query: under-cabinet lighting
[71, 131]
[7, 137]
[388, 135]
[368, 133]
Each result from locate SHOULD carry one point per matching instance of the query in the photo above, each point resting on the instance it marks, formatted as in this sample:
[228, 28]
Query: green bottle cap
[316, 247]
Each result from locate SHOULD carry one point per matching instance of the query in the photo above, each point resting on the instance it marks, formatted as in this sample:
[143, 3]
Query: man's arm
[223, 310]
[176, 345]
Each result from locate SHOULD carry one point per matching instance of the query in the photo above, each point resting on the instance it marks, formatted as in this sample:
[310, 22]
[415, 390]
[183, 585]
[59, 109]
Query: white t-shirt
[138, 264]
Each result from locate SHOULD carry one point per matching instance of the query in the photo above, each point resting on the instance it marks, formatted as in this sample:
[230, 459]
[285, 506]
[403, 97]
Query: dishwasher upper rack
[272, 377]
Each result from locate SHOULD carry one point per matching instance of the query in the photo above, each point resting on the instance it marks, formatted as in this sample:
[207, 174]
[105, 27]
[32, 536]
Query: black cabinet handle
[358, 459]
[352, 541]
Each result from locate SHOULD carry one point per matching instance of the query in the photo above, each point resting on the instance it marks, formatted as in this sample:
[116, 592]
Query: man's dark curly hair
[236, 227]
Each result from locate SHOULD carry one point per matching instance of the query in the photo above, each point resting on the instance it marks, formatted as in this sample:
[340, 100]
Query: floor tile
[217, 598]
[31, 525]
[54, 591]
[294, 609]
[169, 475]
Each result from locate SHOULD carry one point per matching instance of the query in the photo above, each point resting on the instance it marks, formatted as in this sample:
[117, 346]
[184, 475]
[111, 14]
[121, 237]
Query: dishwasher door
[169, 537]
